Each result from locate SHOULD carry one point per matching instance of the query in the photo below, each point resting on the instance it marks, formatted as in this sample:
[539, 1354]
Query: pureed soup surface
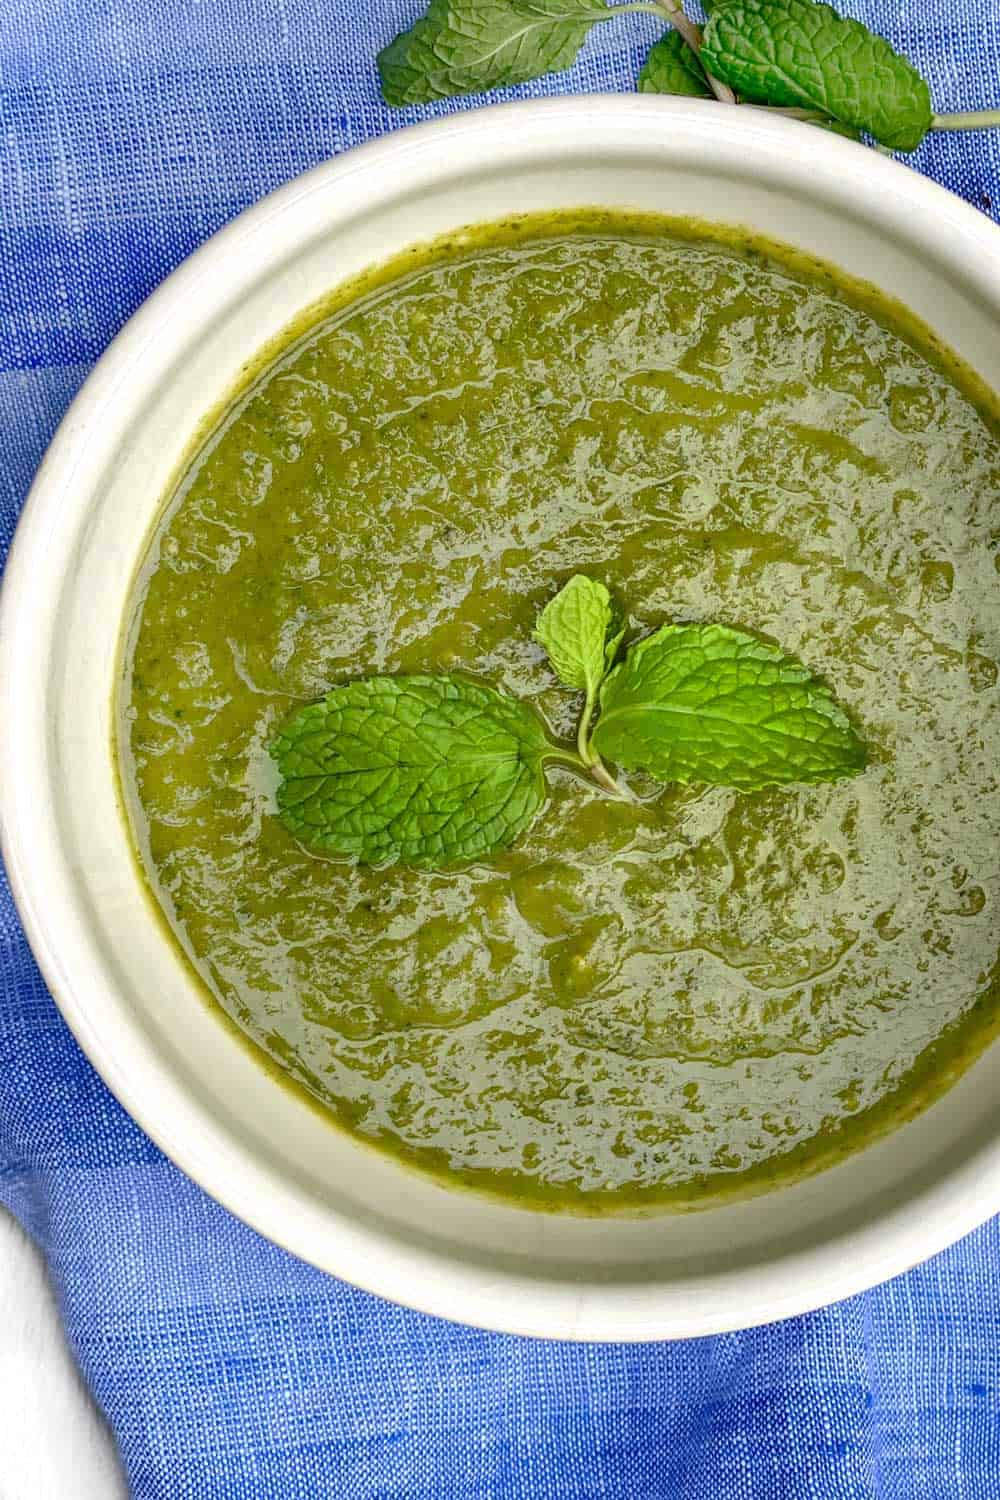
[660, 1003]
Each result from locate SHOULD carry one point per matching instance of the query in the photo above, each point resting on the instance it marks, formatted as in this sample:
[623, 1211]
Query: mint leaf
[671, 67]
[802, 54]
[421, 770]
[580, 630]
[465, 46]
[713, 705]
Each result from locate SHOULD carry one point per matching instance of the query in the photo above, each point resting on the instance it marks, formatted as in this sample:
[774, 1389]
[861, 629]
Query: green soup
[664, 1003]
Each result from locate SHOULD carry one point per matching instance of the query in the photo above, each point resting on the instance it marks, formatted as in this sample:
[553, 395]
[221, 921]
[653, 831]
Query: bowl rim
[419, 1277]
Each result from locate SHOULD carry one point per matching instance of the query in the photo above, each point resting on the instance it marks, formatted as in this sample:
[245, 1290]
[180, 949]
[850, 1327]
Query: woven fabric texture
[131, 131]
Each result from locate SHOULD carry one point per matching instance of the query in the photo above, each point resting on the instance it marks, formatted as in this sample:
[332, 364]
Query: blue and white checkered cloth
[130, 131]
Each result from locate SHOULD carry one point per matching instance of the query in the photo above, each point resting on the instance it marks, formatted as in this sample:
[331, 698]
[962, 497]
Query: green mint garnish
[800, 53]
[434, 771]
[673, 67]
[415, 770]
[581, 630]
[797, 56]
[465, 46]
[713, 705]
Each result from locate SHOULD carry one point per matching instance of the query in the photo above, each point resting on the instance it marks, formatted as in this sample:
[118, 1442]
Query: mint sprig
[798, 56]
[434, 771]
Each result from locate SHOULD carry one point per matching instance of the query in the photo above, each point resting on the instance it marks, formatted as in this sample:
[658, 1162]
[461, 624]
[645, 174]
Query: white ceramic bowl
[116, 977]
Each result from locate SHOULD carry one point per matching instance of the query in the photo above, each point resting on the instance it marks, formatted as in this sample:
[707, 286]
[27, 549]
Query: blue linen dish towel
[131, 131]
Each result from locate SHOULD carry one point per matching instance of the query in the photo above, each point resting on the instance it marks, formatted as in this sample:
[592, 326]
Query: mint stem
[604, 778]
[589, 755]
[970, 119]
[583, 732]
[587, 761]
[688, 30]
